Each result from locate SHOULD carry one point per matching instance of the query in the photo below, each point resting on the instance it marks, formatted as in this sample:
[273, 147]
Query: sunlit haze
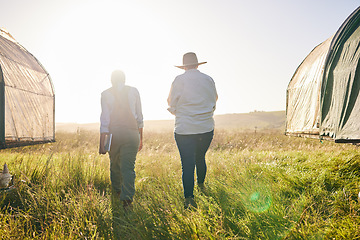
[252, 47]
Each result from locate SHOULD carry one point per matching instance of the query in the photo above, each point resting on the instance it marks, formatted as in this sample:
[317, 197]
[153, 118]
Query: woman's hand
[102, 143]
[141, 139]
[140, 145]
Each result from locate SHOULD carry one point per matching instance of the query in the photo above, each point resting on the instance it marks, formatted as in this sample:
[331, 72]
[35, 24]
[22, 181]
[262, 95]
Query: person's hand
[141, 139]
[101, 146]
[102, 149]
[140, 146]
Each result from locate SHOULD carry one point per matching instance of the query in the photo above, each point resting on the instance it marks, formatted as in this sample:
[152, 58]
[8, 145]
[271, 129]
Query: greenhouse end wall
[27, 103]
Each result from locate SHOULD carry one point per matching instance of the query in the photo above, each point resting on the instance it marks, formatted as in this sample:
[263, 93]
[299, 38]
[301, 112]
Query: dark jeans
[193, 148]
[124, 147]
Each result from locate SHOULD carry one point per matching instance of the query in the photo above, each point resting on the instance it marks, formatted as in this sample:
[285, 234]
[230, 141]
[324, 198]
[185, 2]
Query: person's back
[196, 102]
[121, 116]
[124, 99]
[192, 99]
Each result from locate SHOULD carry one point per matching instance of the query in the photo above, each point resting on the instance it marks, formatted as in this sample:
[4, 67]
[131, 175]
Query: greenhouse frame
[27, 98]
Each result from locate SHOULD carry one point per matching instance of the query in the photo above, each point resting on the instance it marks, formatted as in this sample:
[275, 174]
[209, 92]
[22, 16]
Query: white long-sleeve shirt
[192, 100]
[107, 104]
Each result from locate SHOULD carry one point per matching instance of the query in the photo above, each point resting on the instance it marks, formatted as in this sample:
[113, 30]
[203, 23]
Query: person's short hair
[117, 77]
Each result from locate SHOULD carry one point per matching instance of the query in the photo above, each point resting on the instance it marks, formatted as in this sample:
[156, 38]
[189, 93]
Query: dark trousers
[124, 147]
[193, 148]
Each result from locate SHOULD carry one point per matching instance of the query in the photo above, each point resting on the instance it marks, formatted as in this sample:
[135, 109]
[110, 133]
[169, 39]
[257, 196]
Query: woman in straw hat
[192, 99]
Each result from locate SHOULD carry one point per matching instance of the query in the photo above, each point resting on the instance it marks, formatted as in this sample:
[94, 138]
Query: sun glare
[98, 38]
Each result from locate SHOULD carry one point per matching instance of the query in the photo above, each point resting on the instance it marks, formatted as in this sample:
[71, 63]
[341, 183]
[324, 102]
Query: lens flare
[258, 201]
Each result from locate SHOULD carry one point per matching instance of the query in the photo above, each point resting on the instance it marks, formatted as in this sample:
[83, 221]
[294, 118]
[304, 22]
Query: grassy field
[260, 185]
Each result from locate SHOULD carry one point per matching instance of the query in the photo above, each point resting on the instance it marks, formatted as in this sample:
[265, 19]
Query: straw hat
[190, 59]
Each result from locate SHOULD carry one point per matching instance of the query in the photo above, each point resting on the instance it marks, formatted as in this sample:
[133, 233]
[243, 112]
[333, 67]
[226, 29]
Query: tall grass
[259, 186]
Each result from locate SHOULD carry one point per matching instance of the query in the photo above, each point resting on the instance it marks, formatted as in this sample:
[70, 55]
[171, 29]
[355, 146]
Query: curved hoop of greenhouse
[323, 96]
[27, 98]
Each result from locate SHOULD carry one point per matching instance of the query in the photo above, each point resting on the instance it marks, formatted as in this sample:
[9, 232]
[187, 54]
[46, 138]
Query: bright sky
[252, 47]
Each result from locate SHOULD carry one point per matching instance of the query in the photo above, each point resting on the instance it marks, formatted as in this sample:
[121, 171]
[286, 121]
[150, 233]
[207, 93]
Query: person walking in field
[121, 116]
[192, 99]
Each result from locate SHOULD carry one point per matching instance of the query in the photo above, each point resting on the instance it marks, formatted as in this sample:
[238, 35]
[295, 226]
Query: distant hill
[244, 121]
[73, 127]
[240, 121]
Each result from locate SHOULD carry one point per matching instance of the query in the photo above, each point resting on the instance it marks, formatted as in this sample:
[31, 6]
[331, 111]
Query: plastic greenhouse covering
[323, 96]
[27, 98]
[303, 93]
[340, 99]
